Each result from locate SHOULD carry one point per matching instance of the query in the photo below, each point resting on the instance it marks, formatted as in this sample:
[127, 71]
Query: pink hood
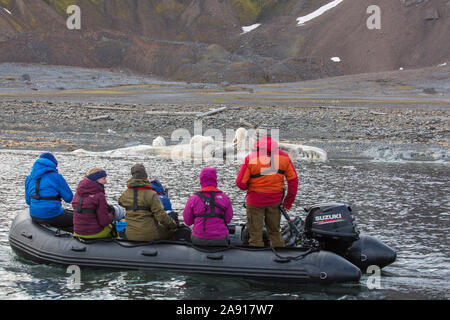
[208, 178]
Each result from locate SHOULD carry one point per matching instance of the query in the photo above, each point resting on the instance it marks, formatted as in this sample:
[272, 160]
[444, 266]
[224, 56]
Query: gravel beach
[388, 115]
[343, 132]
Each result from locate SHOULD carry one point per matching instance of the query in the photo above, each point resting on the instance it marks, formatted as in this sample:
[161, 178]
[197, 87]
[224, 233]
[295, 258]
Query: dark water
[405, 205]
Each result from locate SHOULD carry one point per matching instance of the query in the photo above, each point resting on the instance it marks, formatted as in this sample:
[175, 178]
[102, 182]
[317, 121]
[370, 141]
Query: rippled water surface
[405, 205]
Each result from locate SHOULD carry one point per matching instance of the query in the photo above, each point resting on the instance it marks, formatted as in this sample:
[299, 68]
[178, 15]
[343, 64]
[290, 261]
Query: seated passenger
[163, 195]
[44, 189]
[210, 211]
[92, 215]
[145, 216]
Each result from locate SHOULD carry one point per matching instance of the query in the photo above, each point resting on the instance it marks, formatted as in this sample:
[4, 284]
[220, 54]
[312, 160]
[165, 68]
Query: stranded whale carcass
[206, 147]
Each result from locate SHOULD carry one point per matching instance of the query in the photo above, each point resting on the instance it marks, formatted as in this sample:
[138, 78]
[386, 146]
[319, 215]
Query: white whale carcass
[205, 147]
[199, 147]
[303, 152]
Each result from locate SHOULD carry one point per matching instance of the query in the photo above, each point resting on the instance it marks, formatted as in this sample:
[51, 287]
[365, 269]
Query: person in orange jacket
[262, 174]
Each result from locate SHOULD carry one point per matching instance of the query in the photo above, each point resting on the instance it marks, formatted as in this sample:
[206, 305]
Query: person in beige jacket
[145, 215]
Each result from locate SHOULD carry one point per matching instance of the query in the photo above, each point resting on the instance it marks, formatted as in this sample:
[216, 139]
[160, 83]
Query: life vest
[135, 206]
[270, 171]
[80, 208]
[265, 179]
[38, 196]
[216, 210]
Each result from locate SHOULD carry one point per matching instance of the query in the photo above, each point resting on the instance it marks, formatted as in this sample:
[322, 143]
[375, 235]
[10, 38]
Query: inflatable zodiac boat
[50, 246]
[319, 255]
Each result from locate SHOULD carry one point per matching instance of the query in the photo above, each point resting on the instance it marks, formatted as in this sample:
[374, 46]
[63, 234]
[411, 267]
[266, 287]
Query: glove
[119, 212]
[174, 216]
[286, 206]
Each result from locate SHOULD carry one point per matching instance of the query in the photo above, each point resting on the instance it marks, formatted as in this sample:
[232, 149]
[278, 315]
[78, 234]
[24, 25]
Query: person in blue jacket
[163, 195]
[44, 189]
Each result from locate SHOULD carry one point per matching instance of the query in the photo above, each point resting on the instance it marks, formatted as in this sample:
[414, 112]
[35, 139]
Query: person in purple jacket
[210, 211]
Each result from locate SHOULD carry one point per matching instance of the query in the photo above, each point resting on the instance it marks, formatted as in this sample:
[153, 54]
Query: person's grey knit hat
[138, 171]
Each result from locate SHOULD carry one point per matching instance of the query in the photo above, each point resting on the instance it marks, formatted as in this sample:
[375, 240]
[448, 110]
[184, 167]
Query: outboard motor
[332, 225]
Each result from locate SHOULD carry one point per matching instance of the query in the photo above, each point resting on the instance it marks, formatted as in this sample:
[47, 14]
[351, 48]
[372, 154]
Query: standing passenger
[262, 175]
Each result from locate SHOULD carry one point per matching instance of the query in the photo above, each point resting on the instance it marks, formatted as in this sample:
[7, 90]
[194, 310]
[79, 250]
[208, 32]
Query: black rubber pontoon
[43, 245]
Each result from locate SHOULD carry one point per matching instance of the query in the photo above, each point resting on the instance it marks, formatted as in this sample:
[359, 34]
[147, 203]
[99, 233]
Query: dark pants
[222, 242]
[270, 216]
[63, 221]
[183, 233]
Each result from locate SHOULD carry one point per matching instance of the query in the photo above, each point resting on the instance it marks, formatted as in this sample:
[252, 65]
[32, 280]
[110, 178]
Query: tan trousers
[270, 216]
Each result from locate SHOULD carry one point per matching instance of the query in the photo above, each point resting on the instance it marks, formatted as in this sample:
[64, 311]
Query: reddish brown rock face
[202, 41]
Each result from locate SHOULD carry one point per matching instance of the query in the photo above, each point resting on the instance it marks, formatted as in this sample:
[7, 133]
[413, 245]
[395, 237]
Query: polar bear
[159, 142]
[240, 136]
[202, 140]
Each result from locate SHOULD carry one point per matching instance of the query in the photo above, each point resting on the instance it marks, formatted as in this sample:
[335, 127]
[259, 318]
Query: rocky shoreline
[391, 115]
[345, 132]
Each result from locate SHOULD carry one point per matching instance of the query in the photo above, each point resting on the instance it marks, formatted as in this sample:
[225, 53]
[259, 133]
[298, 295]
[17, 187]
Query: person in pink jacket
[210, 211]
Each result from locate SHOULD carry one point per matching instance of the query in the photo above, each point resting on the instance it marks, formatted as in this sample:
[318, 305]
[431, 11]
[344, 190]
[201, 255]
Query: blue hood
[42, 166]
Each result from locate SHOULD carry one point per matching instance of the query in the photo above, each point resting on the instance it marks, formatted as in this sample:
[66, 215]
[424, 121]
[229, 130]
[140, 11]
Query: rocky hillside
[203, 41]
